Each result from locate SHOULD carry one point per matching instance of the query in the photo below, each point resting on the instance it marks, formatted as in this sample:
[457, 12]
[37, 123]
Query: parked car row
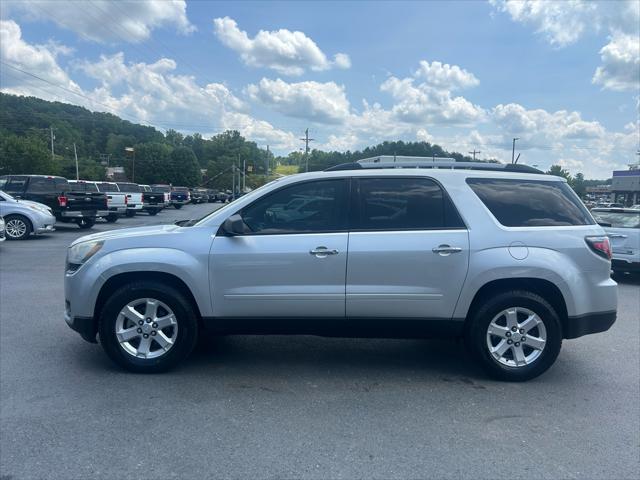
[32, 204]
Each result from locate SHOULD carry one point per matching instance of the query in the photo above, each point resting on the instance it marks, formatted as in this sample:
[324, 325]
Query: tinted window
[41, 185]
[531, 203]
[161, 188]
[15, 184]
[107, 187]
[83, 187]
[62, 185]
[618, 219]
[305, 208]
[180, 189]
[403, 204]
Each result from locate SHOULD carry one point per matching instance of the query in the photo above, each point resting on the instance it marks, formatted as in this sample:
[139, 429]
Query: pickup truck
[180, 196]
[165, 190]
[134, 197]
[67, 204]
[152, 202]
[116, 200]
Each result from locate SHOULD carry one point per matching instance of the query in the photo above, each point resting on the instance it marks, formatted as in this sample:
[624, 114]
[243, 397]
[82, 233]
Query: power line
[474, 153]
[306, 141]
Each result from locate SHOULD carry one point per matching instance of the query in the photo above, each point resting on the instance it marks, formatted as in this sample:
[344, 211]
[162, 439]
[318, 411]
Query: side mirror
[234, 225]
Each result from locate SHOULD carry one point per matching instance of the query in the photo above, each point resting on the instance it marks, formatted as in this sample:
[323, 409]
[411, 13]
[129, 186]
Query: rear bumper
[180, 202]
[134, 206]
[153, 205]
[119, 210]
[589, 323]
[625, 265]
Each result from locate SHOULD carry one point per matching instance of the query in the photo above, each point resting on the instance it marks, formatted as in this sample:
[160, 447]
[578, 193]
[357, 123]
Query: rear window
[107, 187]
[618, 219]
[161, 188]
[531, 203]
[129, 187]
[180, 189]
[83, 187]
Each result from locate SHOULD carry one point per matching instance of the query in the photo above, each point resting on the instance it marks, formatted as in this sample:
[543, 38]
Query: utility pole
[513, 150]
[306, 141]
[75, 154]
[474, 154]
[268, 160]
[244, 174]
[52, 139]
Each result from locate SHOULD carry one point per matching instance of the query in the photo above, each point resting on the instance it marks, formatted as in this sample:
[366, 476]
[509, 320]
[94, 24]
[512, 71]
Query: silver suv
[508, 259]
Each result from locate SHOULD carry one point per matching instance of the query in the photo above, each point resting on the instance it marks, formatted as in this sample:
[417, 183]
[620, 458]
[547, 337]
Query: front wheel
[17, 227]
[85, 223]
[148, 327]
[515, 335]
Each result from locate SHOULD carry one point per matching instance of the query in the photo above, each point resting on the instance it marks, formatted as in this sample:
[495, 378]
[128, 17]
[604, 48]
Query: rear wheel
[148, 327]
[131, 213]
[85, 223]
[178, 206]
[515, 335]
[17, 227]
[111, 218]
[153, 211]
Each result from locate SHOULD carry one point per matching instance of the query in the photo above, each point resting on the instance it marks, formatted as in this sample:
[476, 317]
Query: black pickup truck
[68, 204]
[152, 202]
[180, 196]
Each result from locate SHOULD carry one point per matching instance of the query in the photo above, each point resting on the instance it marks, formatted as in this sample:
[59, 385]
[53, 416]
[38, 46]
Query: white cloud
[445, 76]
[286, 52]
[426, 97]
[562, 22]
[108, 21]
[320, 102]
[620, 69]
[39, 60]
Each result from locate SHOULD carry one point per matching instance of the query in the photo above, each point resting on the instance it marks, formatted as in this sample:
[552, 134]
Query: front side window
[531, 203]
[398, 203]
[309, 207]
[15, 184]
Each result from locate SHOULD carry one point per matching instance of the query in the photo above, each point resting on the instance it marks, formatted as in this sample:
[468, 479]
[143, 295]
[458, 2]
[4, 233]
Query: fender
[541, 263]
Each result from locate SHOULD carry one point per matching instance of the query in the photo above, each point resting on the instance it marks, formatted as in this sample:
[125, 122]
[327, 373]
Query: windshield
[618, 219]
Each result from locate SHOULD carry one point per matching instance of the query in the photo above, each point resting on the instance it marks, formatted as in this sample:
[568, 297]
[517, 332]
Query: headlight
[39, 209]
[78, 254]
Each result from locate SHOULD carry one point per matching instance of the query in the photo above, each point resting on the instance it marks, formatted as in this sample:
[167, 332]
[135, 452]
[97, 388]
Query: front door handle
[322, 252]
[617, 235]
[446, 250]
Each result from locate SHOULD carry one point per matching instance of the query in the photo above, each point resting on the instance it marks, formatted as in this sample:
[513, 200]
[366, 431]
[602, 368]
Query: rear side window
[531, 203]
[403, 204]
[41, 185]
[618, 219]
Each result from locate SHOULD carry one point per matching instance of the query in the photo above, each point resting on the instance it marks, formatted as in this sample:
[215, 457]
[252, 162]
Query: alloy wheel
[146, 328]
[516, 337]
[15, 228]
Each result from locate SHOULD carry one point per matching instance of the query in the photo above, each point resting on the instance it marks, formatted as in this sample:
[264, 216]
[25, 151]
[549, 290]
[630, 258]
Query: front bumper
[587, 324]
[45, 228]
[85, 326]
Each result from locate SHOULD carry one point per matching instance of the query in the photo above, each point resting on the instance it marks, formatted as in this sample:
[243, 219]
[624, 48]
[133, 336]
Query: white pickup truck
[134, 197]
[116, 201]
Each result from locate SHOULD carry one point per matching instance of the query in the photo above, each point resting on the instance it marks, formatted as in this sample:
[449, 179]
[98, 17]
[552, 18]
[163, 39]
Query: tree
[27, 155]
[153, 163]
[558, 171]
[578, 185]
[185, 167]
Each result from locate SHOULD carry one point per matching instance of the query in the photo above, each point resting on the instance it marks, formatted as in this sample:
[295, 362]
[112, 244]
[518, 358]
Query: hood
[130, 233]
[35, 204]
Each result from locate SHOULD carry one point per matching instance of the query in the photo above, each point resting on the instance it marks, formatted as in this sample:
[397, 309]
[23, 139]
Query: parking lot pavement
[309, 407]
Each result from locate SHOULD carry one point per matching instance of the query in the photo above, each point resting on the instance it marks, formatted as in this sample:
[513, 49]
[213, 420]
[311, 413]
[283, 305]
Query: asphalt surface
[299, 407]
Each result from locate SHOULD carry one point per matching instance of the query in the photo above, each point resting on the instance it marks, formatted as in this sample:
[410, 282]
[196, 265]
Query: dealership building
[625, 186]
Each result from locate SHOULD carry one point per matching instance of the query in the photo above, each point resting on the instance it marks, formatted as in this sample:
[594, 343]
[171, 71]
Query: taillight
[62, 200]
[126, 200]
[600, 245]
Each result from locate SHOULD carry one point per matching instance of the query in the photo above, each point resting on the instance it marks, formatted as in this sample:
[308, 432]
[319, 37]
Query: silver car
[507, 259]
[23, 217]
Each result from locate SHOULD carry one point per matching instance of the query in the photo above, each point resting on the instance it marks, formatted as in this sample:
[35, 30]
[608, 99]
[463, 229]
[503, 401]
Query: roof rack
[493, 167]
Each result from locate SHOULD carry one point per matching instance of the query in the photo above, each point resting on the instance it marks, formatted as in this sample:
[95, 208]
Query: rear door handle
[322, 252]
[445, 250]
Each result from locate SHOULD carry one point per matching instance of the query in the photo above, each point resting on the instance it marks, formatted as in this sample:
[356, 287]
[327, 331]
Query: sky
[561, 76]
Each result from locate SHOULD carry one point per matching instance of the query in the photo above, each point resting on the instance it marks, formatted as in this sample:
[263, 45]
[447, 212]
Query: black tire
[153, 211]
[187, 334]
[86, 223]
[476, 337]
[131, 213]
[178, 206]
[111, 218]
[19, 226]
